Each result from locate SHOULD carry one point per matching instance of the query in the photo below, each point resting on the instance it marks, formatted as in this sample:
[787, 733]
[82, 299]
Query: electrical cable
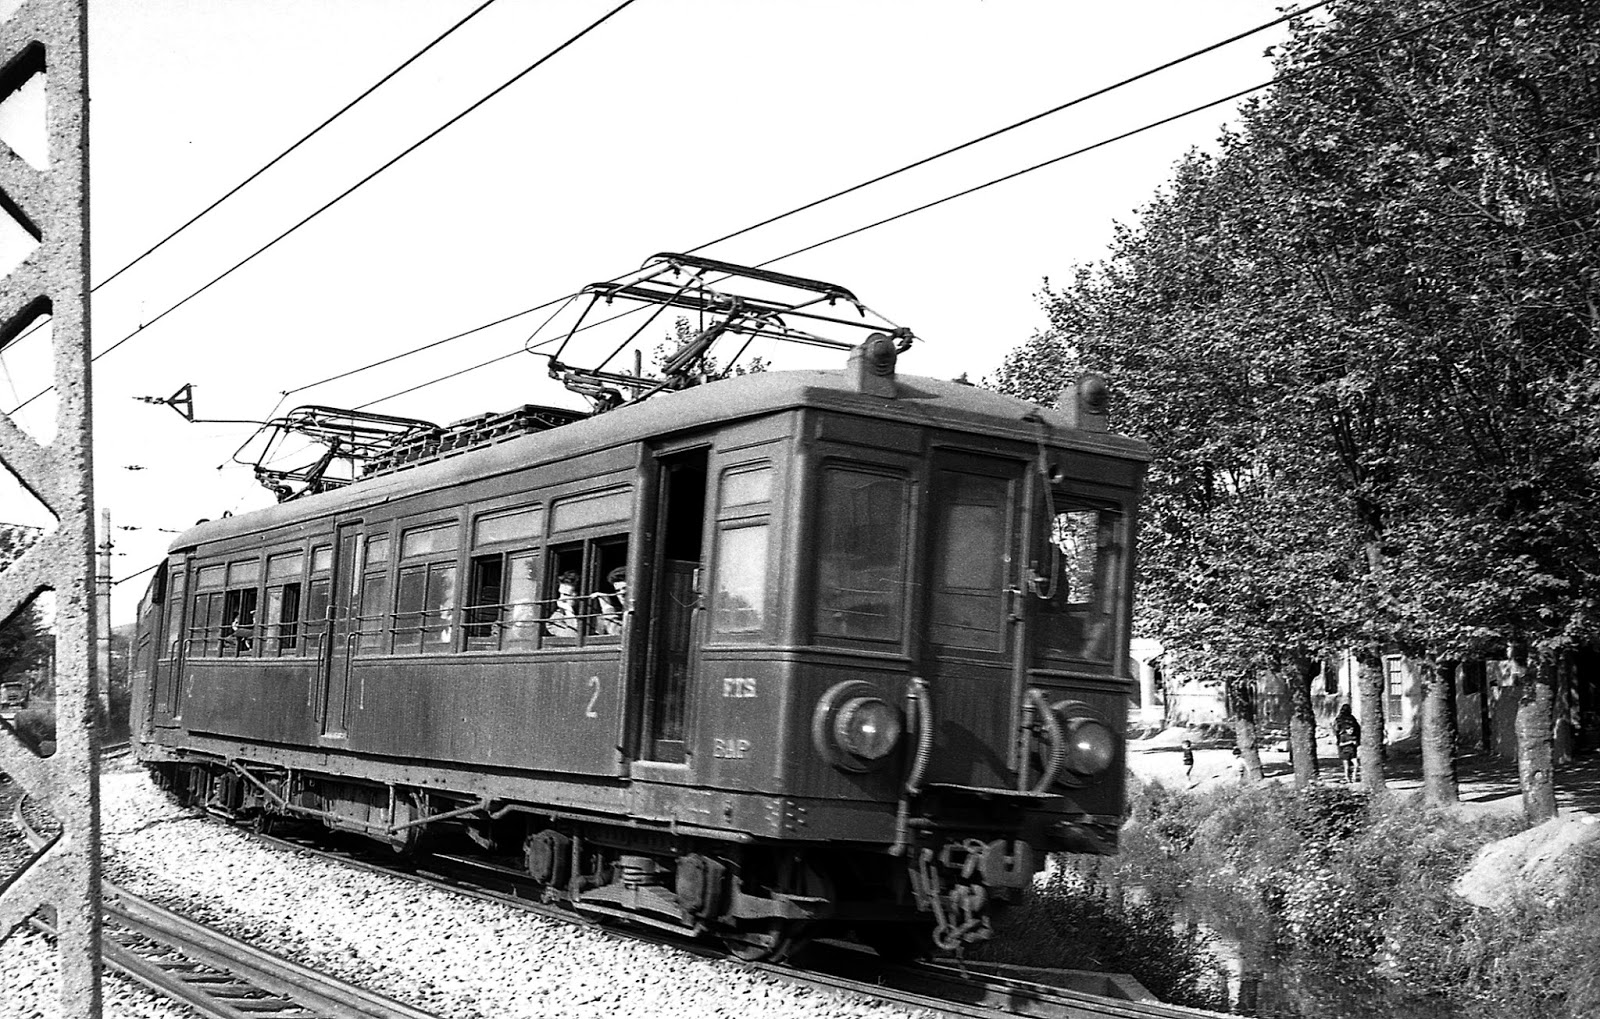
[1021, 123]
[875, 180]
[1295, 73]
[303, 139]
[352, 188]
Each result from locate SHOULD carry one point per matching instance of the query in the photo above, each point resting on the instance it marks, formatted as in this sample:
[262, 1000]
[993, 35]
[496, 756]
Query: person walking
[1188, 759]
[1347, 733]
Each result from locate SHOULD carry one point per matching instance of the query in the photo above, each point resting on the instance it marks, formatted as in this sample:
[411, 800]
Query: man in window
[564, 620]
[613, 603]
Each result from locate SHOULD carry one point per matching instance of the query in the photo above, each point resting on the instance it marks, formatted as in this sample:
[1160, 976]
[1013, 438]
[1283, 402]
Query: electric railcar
[770, 655]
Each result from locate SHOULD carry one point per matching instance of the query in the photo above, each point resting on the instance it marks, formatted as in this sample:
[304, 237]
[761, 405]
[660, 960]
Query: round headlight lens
[1091, 746]
[867, 727]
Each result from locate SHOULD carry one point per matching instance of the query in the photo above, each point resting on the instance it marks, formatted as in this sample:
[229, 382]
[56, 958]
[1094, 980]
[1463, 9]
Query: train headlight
[1091, 746]
[855, 728]
[867, 727]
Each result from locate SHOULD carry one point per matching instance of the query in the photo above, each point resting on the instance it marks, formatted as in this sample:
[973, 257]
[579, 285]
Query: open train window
[586, 576]
[502, 606]
[1077, 578]
[588, 585]
[861, 553]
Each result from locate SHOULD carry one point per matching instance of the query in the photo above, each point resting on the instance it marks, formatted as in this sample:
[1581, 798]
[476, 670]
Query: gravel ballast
[445, 953]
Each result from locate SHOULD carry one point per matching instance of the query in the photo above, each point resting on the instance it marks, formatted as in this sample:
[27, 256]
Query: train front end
[965, 572]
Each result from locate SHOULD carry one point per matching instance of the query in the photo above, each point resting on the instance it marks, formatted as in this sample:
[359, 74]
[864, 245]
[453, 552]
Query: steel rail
[214, 974]
[938, 987]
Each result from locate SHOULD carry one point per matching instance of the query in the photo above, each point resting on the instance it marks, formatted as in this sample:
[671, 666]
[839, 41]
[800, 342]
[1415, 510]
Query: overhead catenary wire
[269, 164]
[354, 187]
[1286, 76]
[1068, 104]
[275, 160]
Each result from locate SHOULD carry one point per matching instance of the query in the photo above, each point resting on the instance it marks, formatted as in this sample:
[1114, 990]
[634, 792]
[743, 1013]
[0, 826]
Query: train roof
[918, 401]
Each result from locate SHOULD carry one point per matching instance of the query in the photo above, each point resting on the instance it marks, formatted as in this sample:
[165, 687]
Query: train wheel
[264, 823]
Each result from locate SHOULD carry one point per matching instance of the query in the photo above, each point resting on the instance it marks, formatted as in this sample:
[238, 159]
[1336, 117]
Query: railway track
[216, 975]
[220, 976]
[973, 992]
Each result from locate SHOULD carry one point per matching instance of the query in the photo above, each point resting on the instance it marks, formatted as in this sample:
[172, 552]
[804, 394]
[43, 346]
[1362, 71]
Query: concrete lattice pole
[48, 39]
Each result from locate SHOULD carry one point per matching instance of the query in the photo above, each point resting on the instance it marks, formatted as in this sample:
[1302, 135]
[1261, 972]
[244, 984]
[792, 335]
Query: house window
[1394, 684]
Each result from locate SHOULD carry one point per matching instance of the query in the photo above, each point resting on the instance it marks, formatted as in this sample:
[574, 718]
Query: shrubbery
[1332, 875]
[1073, 920]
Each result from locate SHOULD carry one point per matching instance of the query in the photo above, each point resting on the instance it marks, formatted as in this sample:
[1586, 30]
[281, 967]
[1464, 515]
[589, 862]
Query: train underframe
[764, 899]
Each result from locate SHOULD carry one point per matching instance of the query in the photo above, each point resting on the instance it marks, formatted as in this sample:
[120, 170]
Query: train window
[244, 572]
[420, 541]
[322, 559]
[374, 610]
[861, 561]
[284, 567]
[589, 581]
[283, 617]
[238, 621]
[523, 524]
[210, 578]
[968, 596]
[592, 509]
[424, 618]
[745, 487]
[481, 620]
[1077, 583]
[502, 602]
[738, 603]
[377, 549]
[205, 624]
[318, 597]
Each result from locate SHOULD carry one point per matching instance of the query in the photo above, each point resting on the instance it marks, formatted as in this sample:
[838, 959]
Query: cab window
[1077, 580]
[861, 560]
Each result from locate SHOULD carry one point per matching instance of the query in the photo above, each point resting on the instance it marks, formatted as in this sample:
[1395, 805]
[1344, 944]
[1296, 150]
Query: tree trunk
[1369, 685]
[1302, 720]
[1439, 783]
[1244, 730]
[1535, 696]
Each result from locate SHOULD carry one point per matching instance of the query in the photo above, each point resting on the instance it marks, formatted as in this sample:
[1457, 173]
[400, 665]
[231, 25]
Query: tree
[1370, 320]
[25, 645]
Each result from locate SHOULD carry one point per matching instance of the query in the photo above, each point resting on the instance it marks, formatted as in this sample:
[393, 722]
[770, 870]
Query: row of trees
[1361, 338]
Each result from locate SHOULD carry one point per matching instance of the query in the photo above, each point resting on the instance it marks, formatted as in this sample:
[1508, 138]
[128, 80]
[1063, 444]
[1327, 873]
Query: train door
[971, 633]
[676, 564]
[179, 644]
[344, 627]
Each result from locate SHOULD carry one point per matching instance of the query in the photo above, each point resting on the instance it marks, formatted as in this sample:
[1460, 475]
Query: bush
[35, 727]
[1074, 920]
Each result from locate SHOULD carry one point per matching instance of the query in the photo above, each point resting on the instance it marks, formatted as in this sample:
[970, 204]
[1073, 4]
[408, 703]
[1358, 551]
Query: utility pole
[102, 609]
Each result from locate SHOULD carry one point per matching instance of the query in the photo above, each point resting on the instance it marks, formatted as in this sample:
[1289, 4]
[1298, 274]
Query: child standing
[1188, 759]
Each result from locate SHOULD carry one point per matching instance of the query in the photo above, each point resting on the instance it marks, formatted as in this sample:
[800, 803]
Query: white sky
[675, 122]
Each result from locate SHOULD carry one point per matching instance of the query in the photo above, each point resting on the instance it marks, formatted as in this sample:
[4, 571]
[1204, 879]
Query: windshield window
[861, 554]
[1076, 581]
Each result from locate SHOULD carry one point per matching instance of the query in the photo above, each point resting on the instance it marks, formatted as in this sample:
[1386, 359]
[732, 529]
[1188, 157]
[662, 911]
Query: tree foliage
[1361, 337]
